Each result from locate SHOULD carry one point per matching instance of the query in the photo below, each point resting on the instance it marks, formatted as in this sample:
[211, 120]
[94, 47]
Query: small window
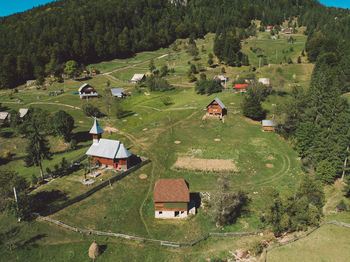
[160, 212]
[182, 212]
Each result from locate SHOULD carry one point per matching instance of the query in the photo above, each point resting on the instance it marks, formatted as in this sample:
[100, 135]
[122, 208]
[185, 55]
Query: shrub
[256, 247]
[91, 110]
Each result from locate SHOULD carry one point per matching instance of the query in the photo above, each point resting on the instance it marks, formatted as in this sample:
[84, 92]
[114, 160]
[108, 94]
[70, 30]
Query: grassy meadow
[264, 161]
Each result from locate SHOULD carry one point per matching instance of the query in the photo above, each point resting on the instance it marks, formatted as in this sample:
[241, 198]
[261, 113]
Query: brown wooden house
[107, 152]
[216, 108]
[171, 198]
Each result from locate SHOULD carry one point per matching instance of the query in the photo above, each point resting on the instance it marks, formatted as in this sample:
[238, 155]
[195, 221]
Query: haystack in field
[94, 250]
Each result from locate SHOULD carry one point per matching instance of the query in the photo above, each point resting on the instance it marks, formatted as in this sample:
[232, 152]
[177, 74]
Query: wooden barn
[107, 152]
[241, 88]
[86, 91]
[216, 108]
[171, 198]
[268, 125]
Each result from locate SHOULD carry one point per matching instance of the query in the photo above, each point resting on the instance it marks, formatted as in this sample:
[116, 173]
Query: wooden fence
[142, 239]
[266, 250]
[96, 188]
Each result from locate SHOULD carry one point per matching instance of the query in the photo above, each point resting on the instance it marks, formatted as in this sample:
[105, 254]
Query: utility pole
[16, 199]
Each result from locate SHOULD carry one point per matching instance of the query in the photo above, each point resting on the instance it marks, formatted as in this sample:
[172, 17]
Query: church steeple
[96, 132]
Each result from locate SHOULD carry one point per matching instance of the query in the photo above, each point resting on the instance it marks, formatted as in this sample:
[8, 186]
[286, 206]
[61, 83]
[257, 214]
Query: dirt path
[57, 104]
[134, 65]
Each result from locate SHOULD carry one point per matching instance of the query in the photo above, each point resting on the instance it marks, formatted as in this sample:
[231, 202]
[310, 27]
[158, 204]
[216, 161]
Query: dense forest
[37, 42]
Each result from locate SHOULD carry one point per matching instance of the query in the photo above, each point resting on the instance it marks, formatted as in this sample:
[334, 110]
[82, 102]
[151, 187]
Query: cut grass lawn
[329, 243]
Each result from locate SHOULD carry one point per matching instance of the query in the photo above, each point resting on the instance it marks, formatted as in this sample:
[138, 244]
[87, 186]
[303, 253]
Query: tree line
[38, 42]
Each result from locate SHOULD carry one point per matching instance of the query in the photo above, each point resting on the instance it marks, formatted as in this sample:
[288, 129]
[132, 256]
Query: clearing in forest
[205, 164]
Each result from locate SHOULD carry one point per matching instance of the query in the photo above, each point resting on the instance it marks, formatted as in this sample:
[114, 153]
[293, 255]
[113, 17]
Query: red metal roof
[239, 86]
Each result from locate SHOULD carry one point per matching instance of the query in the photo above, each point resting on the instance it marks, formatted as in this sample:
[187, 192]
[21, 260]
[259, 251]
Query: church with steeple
[107, 152]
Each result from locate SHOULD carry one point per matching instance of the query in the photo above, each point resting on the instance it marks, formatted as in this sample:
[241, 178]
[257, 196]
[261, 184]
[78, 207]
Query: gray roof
[96, 129]
[108, 148]
[105, 148]
[3, 115]
[268, 123]
[123, 152]
[117, 92]
[23, 112]
[217, 100]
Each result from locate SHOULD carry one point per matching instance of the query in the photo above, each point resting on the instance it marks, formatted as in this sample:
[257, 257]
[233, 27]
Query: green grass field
[264, 161]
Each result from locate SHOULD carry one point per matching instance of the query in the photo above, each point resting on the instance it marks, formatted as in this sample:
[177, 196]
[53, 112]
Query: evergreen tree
[63, 124]
[37, 149]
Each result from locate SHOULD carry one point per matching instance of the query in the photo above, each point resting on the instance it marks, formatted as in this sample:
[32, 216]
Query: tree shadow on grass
[82, 136]
[102, 249]
[32, 241]
[45, 200]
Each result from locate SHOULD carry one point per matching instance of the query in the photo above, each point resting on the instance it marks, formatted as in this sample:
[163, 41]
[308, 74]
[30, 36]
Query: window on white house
[160, 212]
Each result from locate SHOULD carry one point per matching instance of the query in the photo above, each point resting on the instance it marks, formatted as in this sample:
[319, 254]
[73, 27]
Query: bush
[256, 247]
[155, 83]
[166, 100]
[91, 110]
[209, 87]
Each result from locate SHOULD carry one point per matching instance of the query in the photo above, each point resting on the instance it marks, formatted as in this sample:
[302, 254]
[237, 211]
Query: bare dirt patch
[270, 165]
[252, 121]
[205, 164]
[111, 129]
[143, 176]
[177, 142]
[271, 158]
[217, 139]
[80, 122]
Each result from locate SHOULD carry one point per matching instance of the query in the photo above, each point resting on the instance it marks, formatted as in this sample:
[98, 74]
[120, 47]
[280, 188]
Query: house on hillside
[241, 88]
[269, 28]
[117, 92]
[23, 112]
[268, 125]
[137, 77]
[216, 108]
[288, 31]
[4, 117]
[95, 71]
[86, 91]
[265, 81]
[171, 198]
[223, 79]
[111, 153]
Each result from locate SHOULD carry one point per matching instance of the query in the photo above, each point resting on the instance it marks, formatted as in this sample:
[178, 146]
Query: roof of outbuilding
[137, 77]
[23, 112]
[217, 100]
[268, 123]
[117, 91]
[241, 85]
[96, 129]
[171, 190]
[3, 115]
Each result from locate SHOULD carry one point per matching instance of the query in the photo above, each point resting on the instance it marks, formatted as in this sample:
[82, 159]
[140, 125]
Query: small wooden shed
[268, 125]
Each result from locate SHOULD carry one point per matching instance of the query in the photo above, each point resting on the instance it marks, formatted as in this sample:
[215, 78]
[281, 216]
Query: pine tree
[37, 150]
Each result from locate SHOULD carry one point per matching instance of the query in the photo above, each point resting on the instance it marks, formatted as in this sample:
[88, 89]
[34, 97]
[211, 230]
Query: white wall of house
[170, 214]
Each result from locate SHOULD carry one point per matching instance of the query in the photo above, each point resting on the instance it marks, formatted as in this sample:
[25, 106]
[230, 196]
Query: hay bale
[94, 250]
